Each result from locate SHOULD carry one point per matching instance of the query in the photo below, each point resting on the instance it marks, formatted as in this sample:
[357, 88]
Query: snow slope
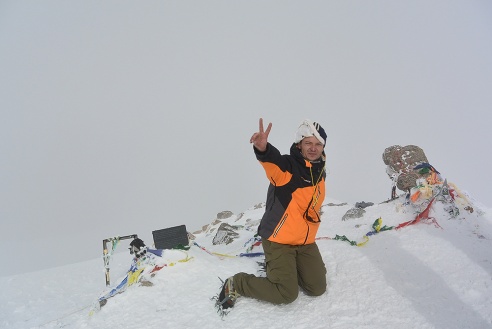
[428, 275]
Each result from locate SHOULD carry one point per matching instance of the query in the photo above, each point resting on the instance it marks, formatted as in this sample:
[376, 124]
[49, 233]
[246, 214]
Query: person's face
[311, 148]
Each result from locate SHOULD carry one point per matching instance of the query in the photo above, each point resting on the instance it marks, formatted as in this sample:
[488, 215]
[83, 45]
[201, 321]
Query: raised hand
[260, 138]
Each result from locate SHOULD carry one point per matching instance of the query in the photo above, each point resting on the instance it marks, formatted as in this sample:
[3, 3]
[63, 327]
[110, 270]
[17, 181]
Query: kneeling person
[289, 225]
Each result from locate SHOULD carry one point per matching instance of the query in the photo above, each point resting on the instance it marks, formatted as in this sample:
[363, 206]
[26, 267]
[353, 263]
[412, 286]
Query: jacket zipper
[280, 225]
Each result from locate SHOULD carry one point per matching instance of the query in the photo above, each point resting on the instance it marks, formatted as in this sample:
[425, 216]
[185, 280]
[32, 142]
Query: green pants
[287, 268]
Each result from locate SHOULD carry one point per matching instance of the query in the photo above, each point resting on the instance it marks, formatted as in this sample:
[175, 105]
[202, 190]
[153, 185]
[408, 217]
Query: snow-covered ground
[428, 275]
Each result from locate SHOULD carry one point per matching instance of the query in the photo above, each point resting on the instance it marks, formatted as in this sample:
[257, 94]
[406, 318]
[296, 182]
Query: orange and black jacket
[295, 196]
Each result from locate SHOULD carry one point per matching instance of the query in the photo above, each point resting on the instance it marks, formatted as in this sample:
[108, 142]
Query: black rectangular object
[169, 238]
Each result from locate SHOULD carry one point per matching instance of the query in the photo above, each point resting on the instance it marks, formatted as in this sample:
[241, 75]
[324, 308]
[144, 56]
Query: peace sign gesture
[260, 138]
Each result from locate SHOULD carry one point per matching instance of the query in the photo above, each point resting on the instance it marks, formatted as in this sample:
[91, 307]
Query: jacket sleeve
[277, 167]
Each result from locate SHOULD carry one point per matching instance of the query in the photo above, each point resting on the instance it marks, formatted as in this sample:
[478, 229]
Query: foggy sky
[123, 117]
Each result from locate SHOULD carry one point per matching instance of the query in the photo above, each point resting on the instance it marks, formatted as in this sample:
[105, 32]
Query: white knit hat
[308, 129]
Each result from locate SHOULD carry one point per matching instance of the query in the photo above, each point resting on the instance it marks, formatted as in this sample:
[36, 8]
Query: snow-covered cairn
[401, 161]
[410, 171]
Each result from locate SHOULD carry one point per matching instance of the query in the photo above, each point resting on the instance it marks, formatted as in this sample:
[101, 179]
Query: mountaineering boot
[227, 296]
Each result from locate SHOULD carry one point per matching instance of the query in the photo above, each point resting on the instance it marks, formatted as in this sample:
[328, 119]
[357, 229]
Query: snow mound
[436, 273]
